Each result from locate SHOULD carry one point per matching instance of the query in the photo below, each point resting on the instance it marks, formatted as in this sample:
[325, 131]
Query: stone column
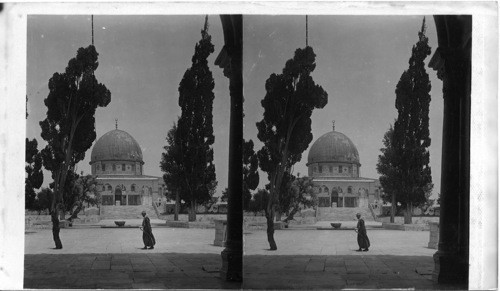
[230, 59]
[453, 66]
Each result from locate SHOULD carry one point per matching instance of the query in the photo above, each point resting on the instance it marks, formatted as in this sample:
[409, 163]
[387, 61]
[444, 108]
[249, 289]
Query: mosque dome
[116, 145]
[333, 147]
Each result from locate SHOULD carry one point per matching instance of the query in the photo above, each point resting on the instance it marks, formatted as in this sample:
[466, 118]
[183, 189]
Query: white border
[484, 135]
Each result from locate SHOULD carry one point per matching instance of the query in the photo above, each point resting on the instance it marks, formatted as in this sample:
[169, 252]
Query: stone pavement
[112, 258]
[327, 259]
[124, 271]
[186, 258]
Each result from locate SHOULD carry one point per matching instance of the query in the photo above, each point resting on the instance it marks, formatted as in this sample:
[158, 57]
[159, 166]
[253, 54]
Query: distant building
[333, 163]
[117, 162]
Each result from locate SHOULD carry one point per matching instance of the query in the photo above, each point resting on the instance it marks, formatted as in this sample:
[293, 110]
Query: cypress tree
[410, 139]
[195, 127]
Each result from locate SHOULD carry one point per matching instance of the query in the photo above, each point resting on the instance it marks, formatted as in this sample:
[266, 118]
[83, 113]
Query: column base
[450, 269]
[232, 261]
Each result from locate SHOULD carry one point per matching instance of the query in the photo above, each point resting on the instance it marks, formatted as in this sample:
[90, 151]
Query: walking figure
[363, 241]
[147, 233]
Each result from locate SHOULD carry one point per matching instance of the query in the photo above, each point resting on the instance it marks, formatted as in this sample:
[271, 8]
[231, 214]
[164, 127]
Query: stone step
[343, 213]
[126, 212]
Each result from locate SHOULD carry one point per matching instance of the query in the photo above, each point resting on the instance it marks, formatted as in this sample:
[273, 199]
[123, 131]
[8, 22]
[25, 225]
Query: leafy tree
[301, 196]
[195, 127]
[43, 200]
[69, 127]
[283, 200]
[285, 129]
[84, 192]
[34, 173]
[410, 137]
[259, 201]
[224, 195]
[171, 165]
[390, 177]
[250, 172]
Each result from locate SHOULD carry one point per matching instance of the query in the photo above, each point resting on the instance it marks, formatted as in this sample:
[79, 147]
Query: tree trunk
[291, 214]
[192, 211]
[74, 213]
[408, 213]
[270, 231]
[176, 210]
[393, 207]
[56, 228]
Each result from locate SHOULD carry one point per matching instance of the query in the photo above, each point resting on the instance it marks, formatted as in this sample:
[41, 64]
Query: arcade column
[230, 60]
[452, 61]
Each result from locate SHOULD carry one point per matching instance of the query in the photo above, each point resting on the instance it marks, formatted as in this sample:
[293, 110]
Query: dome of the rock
[116, 145]
[333, 147]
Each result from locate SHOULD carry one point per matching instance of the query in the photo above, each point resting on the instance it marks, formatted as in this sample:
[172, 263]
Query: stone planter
[120, 223]
[220, 233]
[336, 225]
[434, 235]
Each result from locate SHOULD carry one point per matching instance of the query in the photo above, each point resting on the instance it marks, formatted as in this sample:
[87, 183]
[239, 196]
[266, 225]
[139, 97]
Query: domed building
[116, 160]
[333, 163]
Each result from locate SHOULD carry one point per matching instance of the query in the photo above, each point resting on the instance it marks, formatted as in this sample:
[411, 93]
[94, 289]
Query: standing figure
[147, 233]
[363, 241]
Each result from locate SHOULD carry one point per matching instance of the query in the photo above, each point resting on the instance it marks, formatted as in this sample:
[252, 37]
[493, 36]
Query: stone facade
[333, 163]
[117, 162]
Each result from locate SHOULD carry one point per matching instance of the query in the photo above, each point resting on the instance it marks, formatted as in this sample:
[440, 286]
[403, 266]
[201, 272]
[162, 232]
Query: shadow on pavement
[339, 272]
[124, 271]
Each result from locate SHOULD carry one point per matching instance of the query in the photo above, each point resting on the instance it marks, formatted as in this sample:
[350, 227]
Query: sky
[142, 60]
[359, 60]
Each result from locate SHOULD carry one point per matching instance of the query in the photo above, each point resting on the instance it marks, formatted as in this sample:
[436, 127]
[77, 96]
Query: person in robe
[147, 233]
[363, 241]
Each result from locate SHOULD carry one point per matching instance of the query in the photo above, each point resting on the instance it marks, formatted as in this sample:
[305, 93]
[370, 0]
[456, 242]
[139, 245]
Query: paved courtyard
[186, 258]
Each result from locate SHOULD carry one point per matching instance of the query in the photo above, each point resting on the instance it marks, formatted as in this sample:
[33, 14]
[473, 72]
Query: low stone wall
[414, 220]
[199, 217]
[405, 227]
[44, 221]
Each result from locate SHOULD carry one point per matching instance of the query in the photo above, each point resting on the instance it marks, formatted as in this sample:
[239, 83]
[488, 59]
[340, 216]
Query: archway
[335, 198]
[118, 196]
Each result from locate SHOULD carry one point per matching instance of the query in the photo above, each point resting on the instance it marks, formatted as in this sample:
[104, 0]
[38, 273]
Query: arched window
[349, 189]
[321, 169]
[319, 191]
[103, 167]
[123, 167]
[103, 188]
[110, 188]
[114, 167]
[132, 188]
[325, 189]
[340, 169]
